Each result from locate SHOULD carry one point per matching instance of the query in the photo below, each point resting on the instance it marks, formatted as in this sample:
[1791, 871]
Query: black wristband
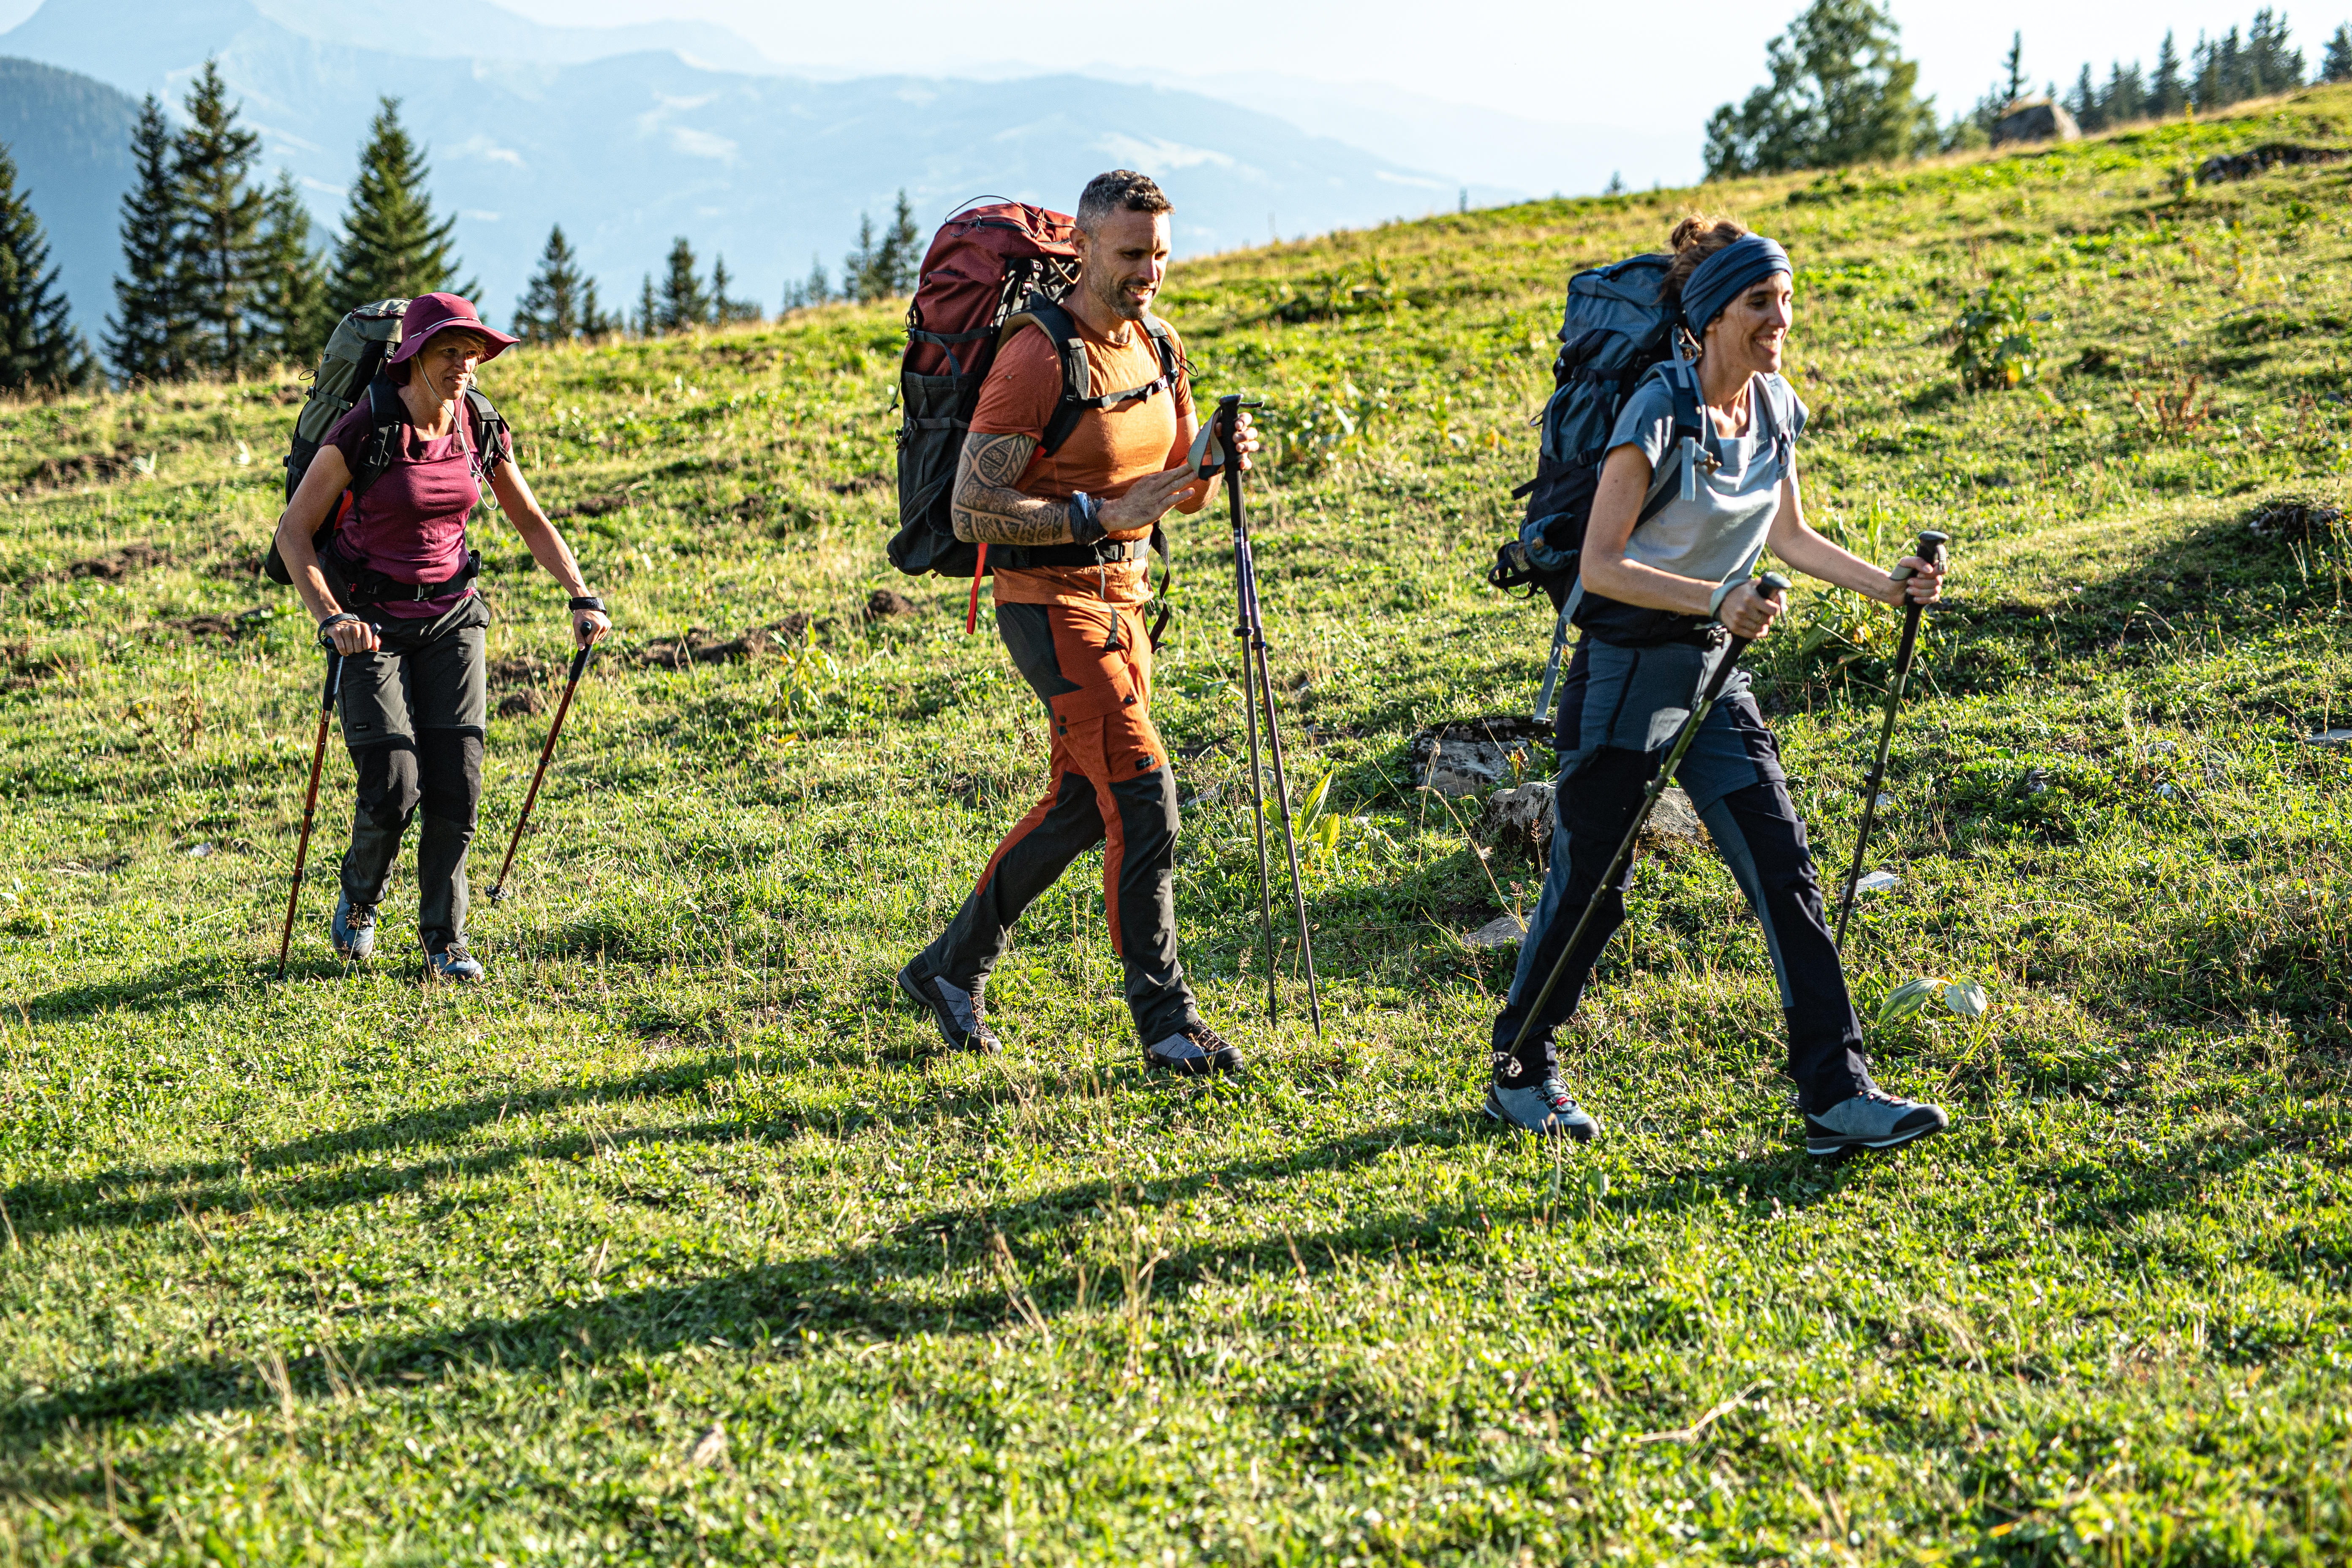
[588, 602]
[327, 627]
[1085, 519]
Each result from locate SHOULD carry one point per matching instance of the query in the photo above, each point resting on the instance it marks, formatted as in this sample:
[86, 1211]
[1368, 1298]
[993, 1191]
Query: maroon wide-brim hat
[432, 313]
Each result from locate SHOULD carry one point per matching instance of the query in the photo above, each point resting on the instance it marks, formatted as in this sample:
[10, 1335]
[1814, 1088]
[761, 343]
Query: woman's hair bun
[1697, 237]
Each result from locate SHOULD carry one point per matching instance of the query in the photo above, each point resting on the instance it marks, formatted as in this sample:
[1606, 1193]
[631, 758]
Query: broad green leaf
[1967, 998]
[1315, 798]
[1908, 999]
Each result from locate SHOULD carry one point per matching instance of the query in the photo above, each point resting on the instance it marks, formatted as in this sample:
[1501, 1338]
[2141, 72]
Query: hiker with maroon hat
[1066, 485]
[390, 581]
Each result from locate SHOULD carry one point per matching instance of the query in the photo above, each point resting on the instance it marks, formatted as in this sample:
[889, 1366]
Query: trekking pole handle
[1931, 549]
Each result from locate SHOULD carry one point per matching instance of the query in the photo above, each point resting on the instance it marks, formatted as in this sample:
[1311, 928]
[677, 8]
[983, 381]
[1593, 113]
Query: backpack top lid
[1617, 319]
[974, 275]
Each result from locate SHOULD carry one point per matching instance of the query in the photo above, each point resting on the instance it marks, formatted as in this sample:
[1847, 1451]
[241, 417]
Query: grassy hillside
[674, 1242]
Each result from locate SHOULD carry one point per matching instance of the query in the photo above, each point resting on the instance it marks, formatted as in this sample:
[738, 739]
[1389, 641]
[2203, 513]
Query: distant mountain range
[529, 125]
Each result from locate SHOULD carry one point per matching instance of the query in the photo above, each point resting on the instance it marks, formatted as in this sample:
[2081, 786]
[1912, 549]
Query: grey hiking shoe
[352, 931]
[1872, 1121]
[1194, 1049]
[454, 963]
[1545, 1109]
[961, 1016]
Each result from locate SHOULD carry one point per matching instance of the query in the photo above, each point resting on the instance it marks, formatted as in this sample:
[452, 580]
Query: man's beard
[1113, 298]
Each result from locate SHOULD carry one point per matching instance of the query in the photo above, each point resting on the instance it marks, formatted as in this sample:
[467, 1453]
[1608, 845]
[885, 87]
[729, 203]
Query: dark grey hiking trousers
[414, 713]
[1620, 709]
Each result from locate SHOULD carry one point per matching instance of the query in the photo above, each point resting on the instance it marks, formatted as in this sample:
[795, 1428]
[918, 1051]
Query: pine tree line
[2218, 72]
[222, 274]
[883, 266]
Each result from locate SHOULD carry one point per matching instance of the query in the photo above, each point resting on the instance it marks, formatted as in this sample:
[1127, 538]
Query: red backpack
[989, 270]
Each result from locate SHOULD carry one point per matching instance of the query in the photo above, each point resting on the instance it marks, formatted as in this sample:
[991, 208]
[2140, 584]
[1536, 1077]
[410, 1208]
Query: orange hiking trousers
[1110, 784]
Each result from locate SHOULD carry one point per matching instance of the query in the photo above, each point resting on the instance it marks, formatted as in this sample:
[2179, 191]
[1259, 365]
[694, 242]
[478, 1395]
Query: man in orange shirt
[1068, 532]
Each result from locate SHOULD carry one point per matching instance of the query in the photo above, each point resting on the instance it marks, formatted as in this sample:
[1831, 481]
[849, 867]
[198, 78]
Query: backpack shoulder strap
[488, 428]
[1171, 365]
[1077, 380]
[386, 415]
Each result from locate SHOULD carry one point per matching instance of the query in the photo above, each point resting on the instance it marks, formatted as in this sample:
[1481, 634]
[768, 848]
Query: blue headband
[1719, 280]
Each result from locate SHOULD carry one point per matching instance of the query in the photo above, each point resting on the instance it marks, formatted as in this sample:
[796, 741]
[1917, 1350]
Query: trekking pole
[571, 684]
[1772, 586]
[310, 802]
[1931, 549]
[1257, 681]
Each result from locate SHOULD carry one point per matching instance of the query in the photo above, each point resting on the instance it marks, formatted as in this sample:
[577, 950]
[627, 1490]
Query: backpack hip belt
[366, 586]
[1101, 553]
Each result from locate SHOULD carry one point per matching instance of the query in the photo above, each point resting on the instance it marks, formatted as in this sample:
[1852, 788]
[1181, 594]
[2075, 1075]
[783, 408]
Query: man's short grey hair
[1106, 194]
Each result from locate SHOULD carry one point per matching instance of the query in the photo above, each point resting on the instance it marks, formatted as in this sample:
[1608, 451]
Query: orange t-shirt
[1108, 451]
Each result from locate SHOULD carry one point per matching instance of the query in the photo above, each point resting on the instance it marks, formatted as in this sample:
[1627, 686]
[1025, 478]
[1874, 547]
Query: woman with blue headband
[1681, 515]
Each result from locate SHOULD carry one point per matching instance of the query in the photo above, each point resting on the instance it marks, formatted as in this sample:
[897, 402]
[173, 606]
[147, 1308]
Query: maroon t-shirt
[411, 523]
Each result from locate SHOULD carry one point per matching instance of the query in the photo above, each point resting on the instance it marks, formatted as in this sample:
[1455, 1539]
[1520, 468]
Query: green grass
[355, 1270]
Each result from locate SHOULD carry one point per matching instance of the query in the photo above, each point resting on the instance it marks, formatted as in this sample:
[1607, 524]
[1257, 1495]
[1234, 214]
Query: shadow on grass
[180, 984]
[863, 1287]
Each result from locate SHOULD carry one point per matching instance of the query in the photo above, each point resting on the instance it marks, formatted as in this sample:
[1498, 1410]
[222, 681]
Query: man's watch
[587, 602]
[1085, 519]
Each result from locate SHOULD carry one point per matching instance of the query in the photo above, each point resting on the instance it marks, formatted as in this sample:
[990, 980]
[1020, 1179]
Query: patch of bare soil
[593, 506]
[889, 604]
[2295, 519]
[122, 562]
[227, 627]
[2261, 160]
[700, 646]
[79, 468]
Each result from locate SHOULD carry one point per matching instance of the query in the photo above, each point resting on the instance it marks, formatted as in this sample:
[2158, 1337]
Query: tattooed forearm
[987, 509]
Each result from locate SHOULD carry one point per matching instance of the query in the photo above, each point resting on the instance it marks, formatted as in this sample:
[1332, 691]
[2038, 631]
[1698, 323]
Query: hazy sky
[1576, 61]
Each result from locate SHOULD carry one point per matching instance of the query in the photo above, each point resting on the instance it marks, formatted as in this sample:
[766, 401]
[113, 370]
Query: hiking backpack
[990, 273]
[1617, 326]
[349, 370]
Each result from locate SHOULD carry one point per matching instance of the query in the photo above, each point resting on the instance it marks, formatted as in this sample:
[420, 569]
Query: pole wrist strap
[588, 602]
[326, 626]
[1722, 591]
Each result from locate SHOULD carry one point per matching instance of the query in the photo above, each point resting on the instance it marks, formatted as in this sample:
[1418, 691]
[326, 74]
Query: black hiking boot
[961, 1016]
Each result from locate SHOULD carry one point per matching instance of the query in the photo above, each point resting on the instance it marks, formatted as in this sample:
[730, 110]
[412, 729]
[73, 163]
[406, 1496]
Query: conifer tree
[724, 308]
[220, 220]
[648, 321]
[291, 319]
[148, 338]
[38, 347]
[2084, 103]
[684, 301]
[2338, 66]
[2125, 97]
[392, 248]
[859, 267]
[560, 304]
[2167, 89]
[902, 248]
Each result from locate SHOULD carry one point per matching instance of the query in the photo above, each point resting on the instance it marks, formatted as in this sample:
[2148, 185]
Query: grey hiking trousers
[414, 713]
